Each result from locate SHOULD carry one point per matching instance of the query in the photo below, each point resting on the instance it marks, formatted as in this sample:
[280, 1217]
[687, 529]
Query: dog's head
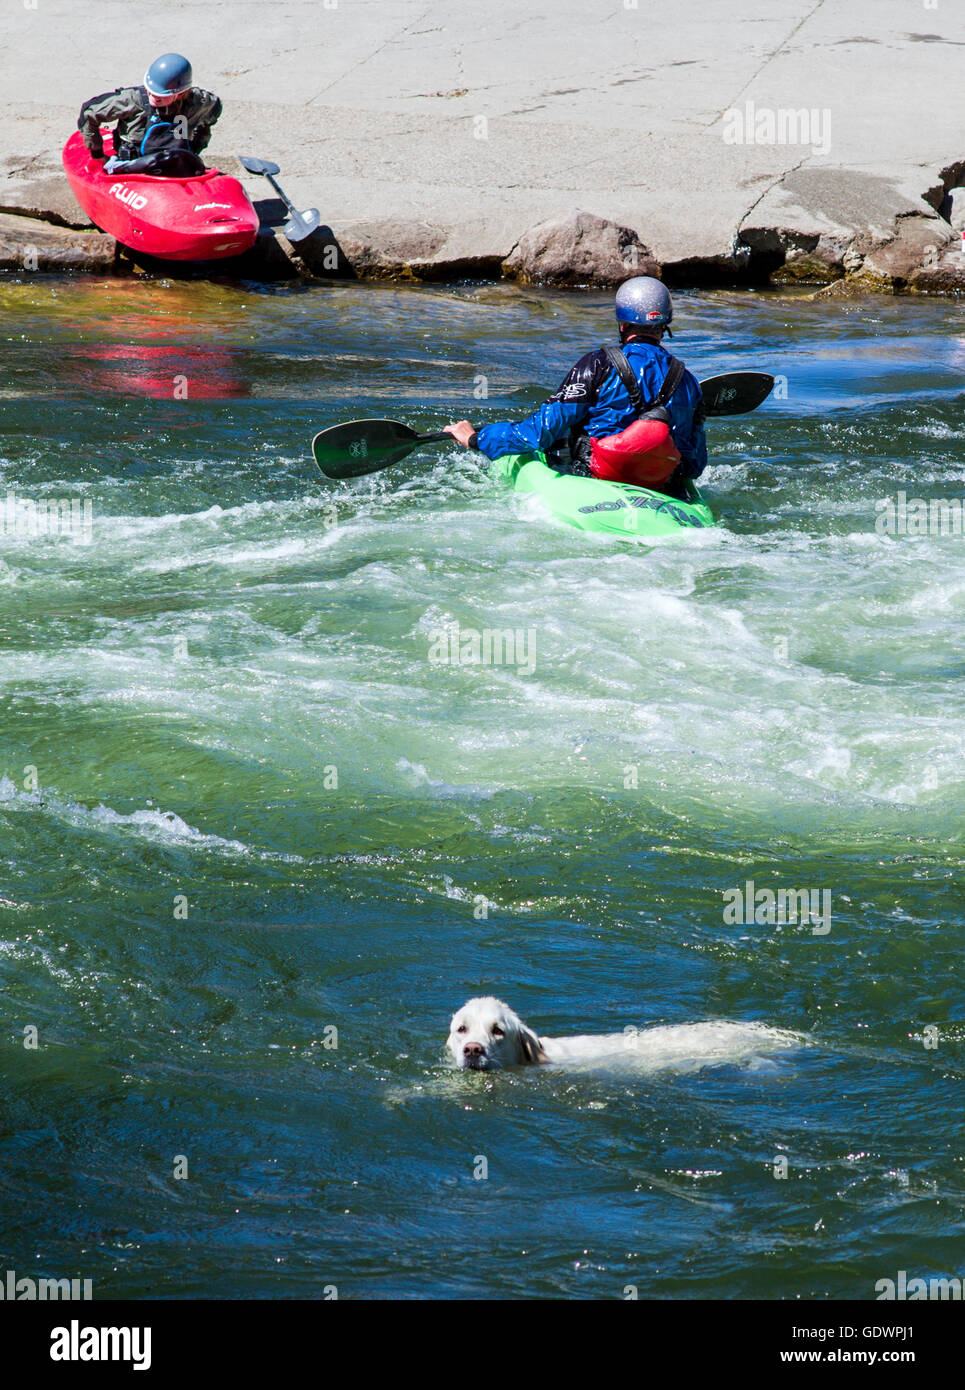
[485, 1035]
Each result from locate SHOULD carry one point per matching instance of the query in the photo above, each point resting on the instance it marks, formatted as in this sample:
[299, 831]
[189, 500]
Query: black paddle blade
[258, 166]
[735, 393]
[365, 446]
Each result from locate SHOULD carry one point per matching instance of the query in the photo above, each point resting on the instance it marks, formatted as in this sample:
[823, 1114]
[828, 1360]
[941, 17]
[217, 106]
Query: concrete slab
[483, 120]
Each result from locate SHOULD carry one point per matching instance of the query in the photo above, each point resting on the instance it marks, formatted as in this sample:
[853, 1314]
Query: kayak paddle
[367, 446]
[301, 224]
[735, 393]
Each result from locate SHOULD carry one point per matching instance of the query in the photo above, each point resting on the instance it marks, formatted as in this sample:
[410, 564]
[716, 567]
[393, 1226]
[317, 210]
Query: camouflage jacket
[131, 109]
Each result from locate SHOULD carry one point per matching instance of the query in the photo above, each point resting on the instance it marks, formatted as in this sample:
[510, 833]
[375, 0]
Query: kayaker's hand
[463, 432]
[96, 154]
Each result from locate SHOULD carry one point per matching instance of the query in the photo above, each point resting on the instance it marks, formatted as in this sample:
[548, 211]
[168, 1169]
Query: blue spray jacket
[593, 400]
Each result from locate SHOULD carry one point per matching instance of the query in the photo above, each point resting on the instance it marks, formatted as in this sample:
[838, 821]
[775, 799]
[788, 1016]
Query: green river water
[245, 817]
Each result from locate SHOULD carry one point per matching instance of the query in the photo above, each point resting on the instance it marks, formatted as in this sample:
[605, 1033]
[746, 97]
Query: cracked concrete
[435, 136]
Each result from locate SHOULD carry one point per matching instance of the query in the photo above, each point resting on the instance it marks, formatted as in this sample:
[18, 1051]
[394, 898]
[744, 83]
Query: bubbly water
[261, 834]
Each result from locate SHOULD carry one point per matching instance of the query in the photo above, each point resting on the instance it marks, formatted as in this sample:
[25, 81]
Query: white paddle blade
[301, 224]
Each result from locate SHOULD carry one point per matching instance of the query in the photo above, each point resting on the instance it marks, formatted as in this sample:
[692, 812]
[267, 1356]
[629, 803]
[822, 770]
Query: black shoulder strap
[671, 381]
[618, 359]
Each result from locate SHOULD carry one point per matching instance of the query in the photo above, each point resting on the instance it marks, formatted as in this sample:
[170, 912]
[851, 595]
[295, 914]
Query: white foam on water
[305, 638]
[418, 776]
[165, 827]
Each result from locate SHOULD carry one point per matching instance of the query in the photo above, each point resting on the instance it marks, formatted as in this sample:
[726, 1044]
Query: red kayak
[202, 218]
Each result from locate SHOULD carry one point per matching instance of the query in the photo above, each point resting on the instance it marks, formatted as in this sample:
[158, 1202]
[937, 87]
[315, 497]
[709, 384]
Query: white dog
[486, 1035]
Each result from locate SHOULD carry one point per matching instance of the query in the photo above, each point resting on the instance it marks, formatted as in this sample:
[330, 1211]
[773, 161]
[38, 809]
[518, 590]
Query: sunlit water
[221, 703]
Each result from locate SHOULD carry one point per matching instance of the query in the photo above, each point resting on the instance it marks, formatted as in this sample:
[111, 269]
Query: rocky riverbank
[819, 144]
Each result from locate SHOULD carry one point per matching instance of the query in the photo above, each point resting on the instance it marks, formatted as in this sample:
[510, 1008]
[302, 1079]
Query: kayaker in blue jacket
[642, 426]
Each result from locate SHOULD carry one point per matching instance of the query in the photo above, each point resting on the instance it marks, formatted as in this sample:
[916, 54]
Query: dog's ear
[530, 1047]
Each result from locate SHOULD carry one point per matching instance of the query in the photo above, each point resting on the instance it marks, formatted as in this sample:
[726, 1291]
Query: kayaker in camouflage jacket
[166, 95]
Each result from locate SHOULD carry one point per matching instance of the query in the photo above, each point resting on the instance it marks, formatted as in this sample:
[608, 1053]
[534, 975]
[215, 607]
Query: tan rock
[581, 249]
[390, 249]
[26, 243]
[947, 276]
[953, 209]
[919, 243]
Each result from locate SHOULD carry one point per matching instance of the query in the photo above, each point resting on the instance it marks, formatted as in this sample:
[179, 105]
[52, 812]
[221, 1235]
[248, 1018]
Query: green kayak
[594, 505]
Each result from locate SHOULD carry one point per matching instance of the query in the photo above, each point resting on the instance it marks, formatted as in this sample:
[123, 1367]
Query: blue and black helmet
[169, 76]
[645, 302]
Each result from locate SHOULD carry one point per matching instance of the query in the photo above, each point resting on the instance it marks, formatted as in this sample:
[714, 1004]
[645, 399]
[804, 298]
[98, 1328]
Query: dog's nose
[472, 1050]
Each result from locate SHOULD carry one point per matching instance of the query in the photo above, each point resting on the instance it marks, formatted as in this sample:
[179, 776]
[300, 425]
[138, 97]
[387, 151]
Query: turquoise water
[222, 704]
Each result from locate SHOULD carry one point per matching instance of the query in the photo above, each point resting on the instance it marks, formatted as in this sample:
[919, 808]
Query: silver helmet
[645, 302]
